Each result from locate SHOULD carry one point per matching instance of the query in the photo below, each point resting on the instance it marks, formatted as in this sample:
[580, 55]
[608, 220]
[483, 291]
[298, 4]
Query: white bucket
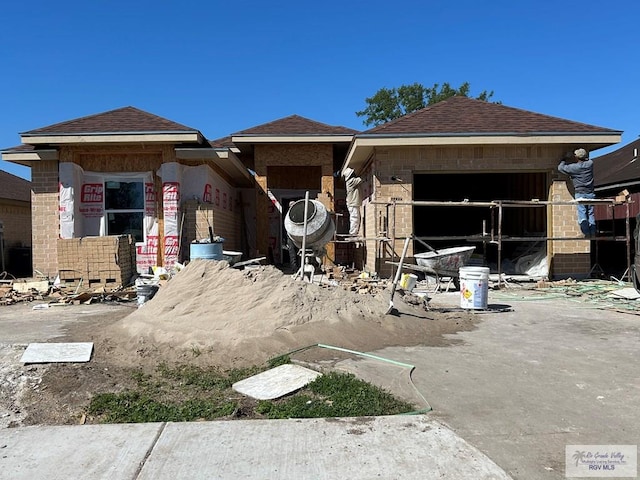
[474, 287]
[408, 281]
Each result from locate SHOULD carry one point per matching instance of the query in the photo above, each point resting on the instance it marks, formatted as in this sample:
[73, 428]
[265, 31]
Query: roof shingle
[14, 188]
[126, 119]
[619, 166]
[463, 115]
[296, 125]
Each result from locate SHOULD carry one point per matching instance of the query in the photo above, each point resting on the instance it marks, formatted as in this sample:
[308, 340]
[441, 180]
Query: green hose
[375, 357]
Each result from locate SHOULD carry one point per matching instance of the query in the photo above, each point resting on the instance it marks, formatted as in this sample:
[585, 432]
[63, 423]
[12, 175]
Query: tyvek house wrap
[82, 208]
[82, 204]
[184, 182]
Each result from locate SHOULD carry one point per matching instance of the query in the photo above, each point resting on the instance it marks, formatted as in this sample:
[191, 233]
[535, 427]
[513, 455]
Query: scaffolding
[494, 234]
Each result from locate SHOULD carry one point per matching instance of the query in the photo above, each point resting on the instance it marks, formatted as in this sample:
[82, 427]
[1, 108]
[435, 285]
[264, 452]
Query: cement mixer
[320, 226]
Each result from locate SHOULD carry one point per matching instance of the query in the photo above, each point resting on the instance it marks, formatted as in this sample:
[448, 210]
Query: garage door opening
[446, 226]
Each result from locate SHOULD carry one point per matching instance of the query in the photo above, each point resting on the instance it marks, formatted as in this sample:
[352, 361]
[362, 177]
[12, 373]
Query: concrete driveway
[551, 372]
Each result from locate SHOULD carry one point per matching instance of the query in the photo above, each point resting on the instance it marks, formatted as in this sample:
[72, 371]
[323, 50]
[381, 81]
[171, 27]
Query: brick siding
[569, 257]
[45, 218]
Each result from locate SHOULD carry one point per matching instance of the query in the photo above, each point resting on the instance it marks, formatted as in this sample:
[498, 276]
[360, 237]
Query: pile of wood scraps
[29, 290]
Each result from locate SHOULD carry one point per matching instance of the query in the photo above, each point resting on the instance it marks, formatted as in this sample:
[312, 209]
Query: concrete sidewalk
[399, 447]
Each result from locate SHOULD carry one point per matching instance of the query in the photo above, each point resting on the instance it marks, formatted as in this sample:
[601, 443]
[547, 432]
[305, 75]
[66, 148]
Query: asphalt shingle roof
[619, 166]
[296, 125]
[463, 115]
[126, 119]
[14, 188]
[224, 142]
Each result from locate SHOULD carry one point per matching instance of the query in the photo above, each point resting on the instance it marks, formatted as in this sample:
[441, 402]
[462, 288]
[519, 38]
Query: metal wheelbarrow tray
[444, 262]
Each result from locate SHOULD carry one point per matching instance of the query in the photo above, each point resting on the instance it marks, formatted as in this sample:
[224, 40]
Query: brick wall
[198, 218]
[16, 219]
[288, 155]
[568, 257]
[45, 220]
[108, 261]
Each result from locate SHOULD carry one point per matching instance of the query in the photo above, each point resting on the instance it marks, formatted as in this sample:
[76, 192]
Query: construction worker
[581, 174]
[354, 200]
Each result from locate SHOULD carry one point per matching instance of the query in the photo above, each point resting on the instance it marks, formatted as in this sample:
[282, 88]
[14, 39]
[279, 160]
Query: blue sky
[222, 67]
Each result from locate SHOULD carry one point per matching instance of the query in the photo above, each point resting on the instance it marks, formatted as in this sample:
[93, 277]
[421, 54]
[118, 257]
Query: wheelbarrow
[445, 262]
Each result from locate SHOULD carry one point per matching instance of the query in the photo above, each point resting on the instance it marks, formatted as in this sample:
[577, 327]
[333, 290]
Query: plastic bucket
[145, 290]
[474, 287]
[408, 281]
[207, 251]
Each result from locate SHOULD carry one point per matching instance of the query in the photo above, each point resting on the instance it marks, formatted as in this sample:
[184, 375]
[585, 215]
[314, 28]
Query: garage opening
[453, 225]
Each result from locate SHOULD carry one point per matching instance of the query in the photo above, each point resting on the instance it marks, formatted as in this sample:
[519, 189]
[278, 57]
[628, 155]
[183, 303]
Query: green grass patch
[335, 395]
[187, 393]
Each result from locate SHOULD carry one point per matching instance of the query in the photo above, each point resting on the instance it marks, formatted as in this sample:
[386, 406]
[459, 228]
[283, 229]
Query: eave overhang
[245, 142]
[223, 158]
[111, 137]
[28, 157]
[363, 145]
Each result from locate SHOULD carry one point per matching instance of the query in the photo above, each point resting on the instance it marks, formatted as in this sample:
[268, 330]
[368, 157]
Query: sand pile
[246, 316]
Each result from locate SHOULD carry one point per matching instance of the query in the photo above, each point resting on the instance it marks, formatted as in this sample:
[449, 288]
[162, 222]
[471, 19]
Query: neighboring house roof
[14, 188]
[619, 168]
[295, 125]
[20, 148]
[466, 121]
[126, 119]
[466, 115]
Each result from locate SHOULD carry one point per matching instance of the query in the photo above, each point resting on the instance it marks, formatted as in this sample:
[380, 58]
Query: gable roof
[466, 121]
[121, 120]
[295, 125]
[619, 168]
[127, 124]
[14, 188]
[224, 142]
[459, 114]
[291, 129]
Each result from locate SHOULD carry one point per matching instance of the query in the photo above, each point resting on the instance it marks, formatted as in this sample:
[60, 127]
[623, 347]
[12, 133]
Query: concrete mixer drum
[320, 225]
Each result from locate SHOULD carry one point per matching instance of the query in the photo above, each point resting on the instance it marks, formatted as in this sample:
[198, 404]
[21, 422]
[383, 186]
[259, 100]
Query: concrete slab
[57, 352]
[529, 381]
[353, 448]
[87, 451]
[20, 324]
[276, 382]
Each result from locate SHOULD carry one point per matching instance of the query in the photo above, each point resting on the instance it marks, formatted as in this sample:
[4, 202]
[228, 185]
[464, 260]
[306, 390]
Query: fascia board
[292, 139]
[25, 158]
[112, 138]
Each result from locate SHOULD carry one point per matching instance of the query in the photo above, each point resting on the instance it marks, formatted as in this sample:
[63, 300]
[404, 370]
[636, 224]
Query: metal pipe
[499, 245]
[303, 258]
[628, 240]
[393, 233]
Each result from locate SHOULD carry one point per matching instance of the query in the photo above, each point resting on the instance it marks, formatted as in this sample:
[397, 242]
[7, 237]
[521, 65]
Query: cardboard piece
[57, 352]
[629, 293]
[276, 382]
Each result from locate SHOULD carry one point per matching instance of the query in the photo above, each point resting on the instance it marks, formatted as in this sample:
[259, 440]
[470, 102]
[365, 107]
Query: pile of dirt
[229, 317]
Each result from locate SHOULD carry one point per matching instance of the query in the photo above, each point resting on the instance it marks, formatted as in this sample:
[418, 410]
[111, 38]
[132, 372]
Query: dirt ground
[213, 315]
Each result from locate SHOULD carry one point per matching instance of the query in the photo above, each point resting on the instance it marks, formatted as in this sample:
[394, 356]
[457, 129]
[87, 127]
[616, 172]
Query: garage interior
[446, 226]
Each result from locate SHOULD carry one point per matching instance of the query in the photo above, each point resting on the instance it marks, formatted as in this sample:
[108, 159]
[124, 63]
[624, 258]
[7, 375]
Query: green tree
[390, 103]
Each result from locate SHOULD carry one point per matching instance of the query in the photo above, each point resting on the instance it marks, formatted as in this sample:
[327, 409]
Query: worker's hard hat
[347, 173]
[580, 153]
